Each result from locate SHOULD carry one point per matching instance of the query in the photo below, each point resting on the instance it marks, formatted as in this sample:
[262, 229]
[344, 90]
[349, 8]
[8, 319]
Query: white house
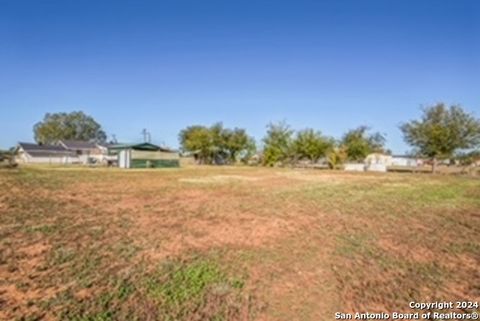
[87, 152]
[44, 154]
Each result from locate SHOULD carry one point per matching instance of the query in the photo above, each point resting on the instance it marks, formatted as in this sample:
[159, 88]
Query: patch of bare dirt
[18, 287]
[290, 242]
[219, 179]
[209, 220]
[416, 253]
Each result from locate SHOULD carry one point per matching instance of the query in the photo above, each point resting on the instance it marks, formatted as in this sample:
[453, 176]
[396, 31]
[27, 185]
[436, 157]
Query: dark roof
[106, 145]
[142, 146]
[51, 154]
[36, 147]
[45, 150]
[78, 144]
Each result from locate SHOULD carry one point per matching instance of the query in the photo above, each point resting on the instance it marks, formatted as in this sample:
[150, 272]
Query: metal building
[145, 155]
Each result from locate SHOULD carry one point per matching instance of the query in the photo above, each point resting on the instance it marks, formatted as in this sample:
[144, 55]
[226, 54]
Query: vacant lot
[232, 243]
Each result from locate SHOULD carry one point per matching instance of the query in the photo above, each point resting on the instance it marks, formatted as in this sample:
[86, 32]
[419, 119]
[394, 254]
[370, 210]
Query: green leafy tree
[238, 144]
[359, 143]
[216, 143]
[468, 158]
[278, 144]
[311, 145]
[250, 149]
[441, 131]
[198, 139]
[75, 126]
[336, 157]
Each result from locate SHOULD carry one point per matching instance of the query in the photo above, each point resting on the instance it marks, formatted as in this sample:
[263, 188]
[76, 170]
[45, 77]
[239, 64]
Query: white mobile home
[405, 161]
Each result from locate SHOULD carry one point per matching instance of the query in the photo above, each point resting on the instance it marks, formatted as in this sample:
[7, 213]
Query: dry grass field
[232, 243]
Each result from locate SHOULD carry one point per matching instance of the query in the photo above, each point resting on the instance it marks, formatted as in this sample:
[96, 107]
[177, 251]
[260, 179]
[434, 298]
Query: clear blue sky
[163, 65]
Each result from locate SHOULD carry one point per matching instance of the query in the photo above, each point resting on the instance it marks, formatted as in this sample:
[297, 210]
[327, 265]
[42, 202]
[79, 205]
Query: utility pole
[147, 138]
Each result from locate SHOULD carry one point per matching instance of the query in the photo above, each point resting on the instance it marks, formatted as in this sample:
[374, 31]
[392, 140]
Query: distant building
[105, 147]
[378, 159]
[145, 155]
[395, 160]
[44, 154]
[406, 161]
[87, 152]
[109, 157]
[377, 162]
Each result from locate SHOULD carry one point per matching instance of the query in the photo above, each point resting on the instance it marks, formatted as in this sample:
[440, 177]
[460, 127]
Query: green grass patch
[44, 229]
[184, 289]
[194, 289]
[352, 245]
[62, 255]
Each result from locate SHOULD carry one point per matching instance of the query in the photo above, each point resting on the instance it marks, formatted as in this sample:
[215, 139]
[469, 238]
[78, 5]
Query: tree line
[281, 145]
[440, 133]
[216, 144]
[284, 146]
